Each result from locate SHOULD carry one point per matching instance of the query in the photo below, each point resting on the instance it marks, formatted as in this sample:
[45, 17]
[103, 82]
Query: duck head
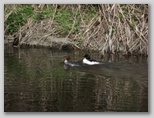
[67, 58]
[87, 56]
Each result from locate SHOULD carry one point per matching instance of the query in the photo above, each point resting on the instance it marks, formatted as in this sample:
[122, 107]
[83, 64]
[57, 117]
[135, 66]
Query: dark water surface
[37, 80]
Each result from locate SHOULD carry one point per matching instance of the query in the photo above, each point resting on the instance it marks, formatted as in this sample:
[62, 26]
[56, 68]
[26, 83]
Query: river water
[37, 80]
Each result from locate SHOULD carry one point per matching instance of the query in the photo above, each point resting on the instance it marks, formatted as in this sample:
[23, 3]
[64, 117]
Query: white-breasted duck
[87, 60]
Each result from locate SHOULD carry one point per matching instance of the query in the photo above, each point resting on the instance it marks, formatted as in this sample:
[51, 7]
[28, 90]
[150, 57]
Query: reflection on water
[36, 80]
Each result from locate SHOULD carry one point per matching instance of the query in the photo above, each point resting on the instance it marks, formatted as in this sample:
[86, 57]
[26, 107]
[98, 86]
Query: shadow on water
[36, 80]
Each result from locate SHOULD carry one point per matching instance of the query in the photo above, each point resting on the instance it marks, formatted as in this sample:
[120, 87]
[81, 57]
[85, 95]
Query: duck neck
[66, 61]
[86, 59]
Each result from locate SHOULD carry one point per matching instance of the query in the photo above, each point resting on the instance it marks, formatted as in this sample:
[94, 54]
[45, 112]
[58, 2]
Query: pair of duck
[87, 60]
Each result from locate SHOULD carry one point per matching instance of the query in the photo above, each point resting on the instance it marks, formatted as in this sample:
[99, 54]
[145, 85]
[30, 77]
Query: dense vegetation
[105, 28]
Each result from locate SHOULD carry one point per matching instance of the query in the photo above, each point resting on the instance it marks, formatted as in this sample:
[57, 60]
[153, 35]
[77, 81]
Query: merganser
[68, 62]
[87, 60]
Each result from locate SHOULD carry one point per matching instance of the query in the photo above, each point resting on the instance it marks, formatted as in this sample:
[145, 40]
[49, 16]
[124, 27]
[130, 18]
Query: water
[36, 80]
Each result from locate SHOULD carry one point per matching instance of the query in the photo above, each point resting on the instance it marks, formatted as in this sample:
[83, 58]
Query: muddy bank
[45, 41]
[53, 42]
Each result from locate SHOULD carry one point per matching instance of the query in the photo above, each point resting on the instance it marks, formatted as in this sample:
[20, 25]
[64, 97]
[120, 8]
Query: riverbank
[106, 28]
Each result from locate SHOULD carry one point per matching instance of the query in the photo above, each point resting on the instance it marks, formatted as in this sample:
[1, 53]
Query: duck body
[87, 60]
[70, 63]
[90, 62]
